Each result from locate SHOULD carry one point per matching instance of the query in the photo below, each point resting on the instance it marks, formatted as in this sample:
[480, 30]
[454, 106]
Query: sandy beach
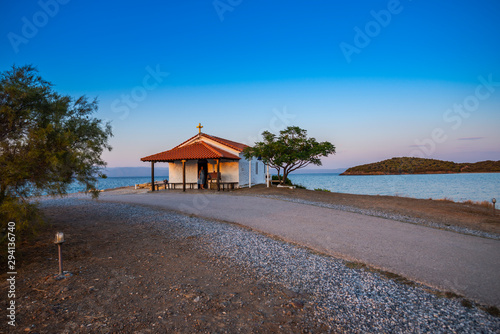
[149, 270]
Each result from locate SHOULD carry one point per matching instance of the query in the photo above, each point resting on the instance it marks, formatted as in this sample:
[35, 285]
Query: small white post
[250, 173]
[59, 241]
[268, 176]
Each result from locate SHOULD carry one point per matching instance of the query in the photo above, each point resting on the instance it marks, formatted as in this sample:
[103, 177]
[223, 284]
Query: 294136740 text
[11, 267]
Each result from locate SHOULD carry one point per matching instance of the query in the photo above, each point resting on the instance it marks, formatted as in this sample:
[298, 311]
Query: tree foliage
[289, 151]
[46, 141]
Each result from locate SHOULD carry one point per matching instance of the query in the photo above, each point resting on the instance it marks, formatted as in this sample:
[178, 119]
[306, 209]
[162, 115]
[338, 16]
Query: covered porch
[185, 163]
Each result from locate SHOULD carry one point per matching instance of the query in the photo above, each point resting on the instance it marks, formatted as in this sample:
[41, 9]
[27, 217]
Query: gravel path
[398, 217]
[345, 299]
[463, 264]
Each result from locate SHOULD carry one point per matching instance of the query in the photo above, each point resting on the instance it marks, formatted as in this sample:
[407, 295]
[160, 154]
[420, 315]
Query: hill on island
[134, 171]
[406, 165]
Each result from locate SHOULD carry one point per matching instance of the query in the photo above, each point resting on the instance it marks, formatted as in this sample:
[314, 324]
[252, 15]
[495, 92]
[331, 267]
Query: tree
[46, 141]
[290, 151]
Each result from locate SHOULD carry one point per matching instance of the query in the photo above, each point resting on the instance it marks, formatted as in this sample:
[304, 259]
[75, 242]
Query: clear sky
[378, 79]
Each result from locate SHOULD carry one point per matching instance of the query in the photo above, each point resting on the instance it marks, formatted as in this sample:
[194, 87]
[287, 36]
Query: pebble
[343, 299]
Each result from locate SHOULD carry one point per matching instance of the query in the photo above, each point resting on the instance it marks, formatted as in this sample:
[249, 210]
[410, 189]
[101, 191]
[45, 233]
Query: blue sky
[376, 78]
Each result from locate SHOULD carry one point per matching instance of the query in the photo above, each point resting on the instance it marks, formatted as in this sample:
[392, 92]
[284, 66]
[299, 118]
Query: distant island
[406, 165]
[134, 171]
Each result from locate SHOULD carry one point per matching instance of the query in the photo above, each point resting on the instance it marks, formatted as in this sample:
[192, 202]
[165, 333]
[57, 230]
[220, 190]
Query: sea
[116, 182]
[456, 187]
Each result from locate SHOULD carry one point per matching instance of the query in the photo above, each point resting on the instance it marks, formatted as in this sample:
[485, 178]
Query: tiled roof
[237, 146]
[195, 151]
[232, 144]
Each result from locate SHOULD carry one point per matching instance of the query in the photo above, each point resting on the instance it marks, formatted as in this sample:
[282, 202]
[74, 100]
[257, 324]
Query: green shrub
[287, 181]
[25, 215]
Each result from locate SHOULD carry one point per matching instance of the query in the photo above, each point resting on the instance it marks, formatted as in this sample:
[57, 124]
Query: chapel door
[203, 163]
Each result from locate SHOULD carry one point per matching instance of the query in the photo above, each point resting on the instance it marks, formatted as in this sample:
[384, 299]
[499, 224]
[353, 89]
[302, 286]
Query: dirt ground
[130, 278]
[445, 212]
[133, 279]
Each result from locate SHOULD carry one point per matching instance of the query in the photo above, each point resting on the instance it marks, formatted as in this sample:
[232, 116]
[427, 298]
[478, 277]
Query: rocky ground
[130, 276]
[136, 269]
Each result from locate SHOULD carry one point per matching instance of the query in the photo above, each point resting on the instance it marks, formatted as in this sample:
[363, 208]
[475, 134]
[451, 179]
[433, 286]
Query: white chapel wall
[258, 171]
[175, 171]
[229, 171]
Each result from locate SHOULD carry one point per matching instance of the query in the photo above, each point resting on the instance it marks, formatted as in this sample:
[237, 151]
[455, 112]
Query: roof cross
[199, 127]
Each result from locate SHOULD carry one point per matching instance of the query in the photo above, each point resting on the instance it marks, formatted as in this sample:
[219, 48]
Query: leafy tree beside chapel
[289, 151]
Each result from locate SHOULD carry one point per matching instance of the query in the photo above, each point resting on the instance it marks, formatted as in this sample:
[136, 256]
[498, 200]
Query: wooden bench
[212, 177]
[168, 185]
[158, 184]
[212, 182]
[192, 185]
[223, 185]
[228, 185]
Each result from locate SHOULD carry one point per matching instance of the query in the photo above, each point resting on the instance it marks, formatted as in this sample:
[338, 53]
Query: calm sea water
[116, 182]
[458, 187]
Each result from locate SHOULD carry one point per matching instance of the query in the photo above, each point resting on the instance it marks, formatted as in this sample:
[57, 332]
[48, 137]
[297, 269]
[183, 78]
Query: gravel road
[344, 298]
[464, 264]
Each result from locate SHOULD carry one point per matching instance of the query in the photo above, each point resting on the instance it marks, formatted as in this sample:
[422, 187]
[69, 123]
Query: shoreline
[331, 192]
[462, 217]
[459, 187]
[428, 173]
[436, 213]
[396, 217]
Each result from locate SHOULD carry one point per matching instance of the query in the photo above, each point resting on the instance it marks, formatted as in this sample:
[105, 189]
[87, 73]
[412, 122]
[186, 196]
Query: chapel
[221, 159]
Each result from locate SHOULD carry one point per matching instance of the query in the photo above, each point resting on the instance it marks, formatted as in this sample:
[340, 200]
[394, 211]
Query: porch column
[218, 174]
[152, 176]
[250, 173]
[183, 175]
[268, 176]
